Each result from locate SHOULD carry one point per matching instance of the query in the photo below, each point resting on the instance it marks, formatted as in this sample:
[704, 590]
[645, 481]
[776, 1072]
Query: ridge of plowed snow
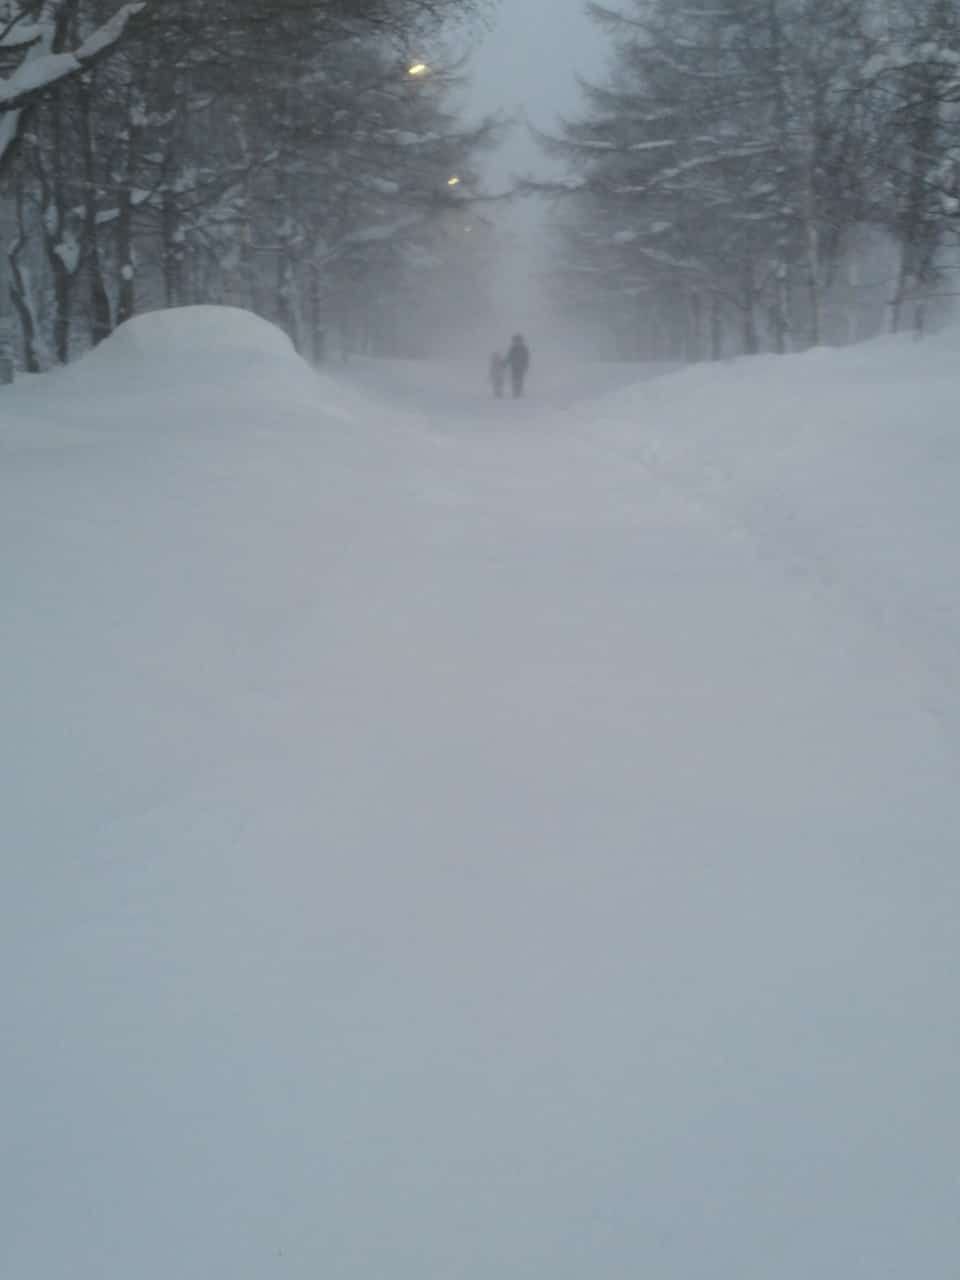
[844, 465]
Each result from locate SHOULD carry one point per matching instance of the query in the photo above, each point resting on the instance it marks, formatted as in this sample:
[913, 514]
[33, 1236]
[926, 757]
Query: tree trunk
[126, 293]
[317, 328]
[904, 287]
[780, 317]
[6, 343]
[780, 312]
[60, 268]
[172, 254]
[101, 315]
[63, 306]
[814, 283]
[917, 236]
[101, 319]
[748, 305]
[22, 302]
[18, 286]
[716, 328]
[695, 329]
[920, 319]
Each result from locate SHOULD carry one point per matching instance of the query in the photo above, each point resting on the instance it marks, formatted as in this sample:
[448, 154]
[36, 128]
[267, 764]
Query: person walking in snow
[498, 371]
[518, 358]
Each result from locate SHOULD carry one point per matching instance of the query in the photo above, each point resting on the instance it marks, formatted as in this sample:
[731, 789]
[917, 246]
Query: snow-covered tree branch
[275, 154]
[43, 66]
[747, 165]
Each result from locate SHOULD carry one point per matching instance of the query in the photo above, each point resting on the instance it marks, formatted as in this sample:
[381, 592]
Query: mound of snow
[206, 343]
[183, 369]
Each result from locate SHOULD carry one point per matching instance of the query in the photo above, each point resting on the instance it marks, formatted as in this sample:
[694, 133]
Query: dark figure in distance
[518, 358]
[498, 371]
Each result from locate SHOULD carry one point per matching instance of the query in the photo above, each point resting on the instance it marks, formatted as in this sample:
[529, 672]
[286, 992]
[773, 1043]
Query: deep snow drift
[445, 844]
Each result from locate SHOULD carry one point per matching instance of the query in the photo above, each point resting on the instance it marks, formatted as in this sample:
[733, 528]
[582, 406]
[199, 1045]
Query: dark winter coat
[518, 357]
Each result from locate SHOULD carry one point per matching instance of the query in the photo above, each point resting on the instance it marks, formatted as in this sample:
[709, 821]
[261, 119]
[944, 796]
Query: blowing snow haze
[450, 834]
[527, 66]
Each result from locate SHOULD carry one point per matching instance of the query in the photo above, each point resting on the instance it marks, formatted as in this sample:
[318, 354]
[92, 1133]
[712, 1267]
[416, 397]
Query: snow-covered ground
[446, 838]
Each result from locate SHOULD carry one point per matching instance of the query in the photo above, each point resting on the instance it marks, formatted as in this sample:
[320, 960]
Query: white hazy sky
[526, 65]
[528, 62]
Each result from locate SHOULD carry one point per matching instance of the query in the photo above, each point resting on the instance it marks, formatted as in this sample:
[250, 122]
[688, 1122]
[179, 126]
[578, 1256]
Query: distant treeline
[298, 157]
[762, 175]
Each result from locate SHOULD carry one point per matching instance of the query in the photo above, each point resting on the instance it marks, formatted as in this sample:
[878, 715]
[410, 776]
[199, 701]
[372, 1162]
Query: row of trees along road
[296, 157]
[762, 175]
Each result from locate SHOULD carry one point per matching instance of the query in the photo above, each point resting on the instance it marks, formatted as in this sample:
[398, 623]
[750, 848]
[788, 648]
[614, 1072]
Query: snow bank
[191, 345]
[229, 334]
[844, 465]
[184, 370]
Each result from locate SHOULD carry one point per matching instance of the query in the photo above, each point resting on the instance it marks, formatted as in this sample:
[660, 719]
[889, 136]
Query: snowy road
[442, 846]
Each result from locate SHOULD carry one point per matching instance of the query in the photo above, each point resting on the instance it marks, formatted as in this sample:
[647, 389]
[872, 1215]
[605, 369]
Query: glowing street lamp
[418, 69]
[453, 182]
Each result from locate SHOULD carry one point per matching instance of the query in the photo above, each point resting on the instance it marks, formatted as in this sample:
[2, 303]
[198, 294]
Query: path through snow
[439, 847]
